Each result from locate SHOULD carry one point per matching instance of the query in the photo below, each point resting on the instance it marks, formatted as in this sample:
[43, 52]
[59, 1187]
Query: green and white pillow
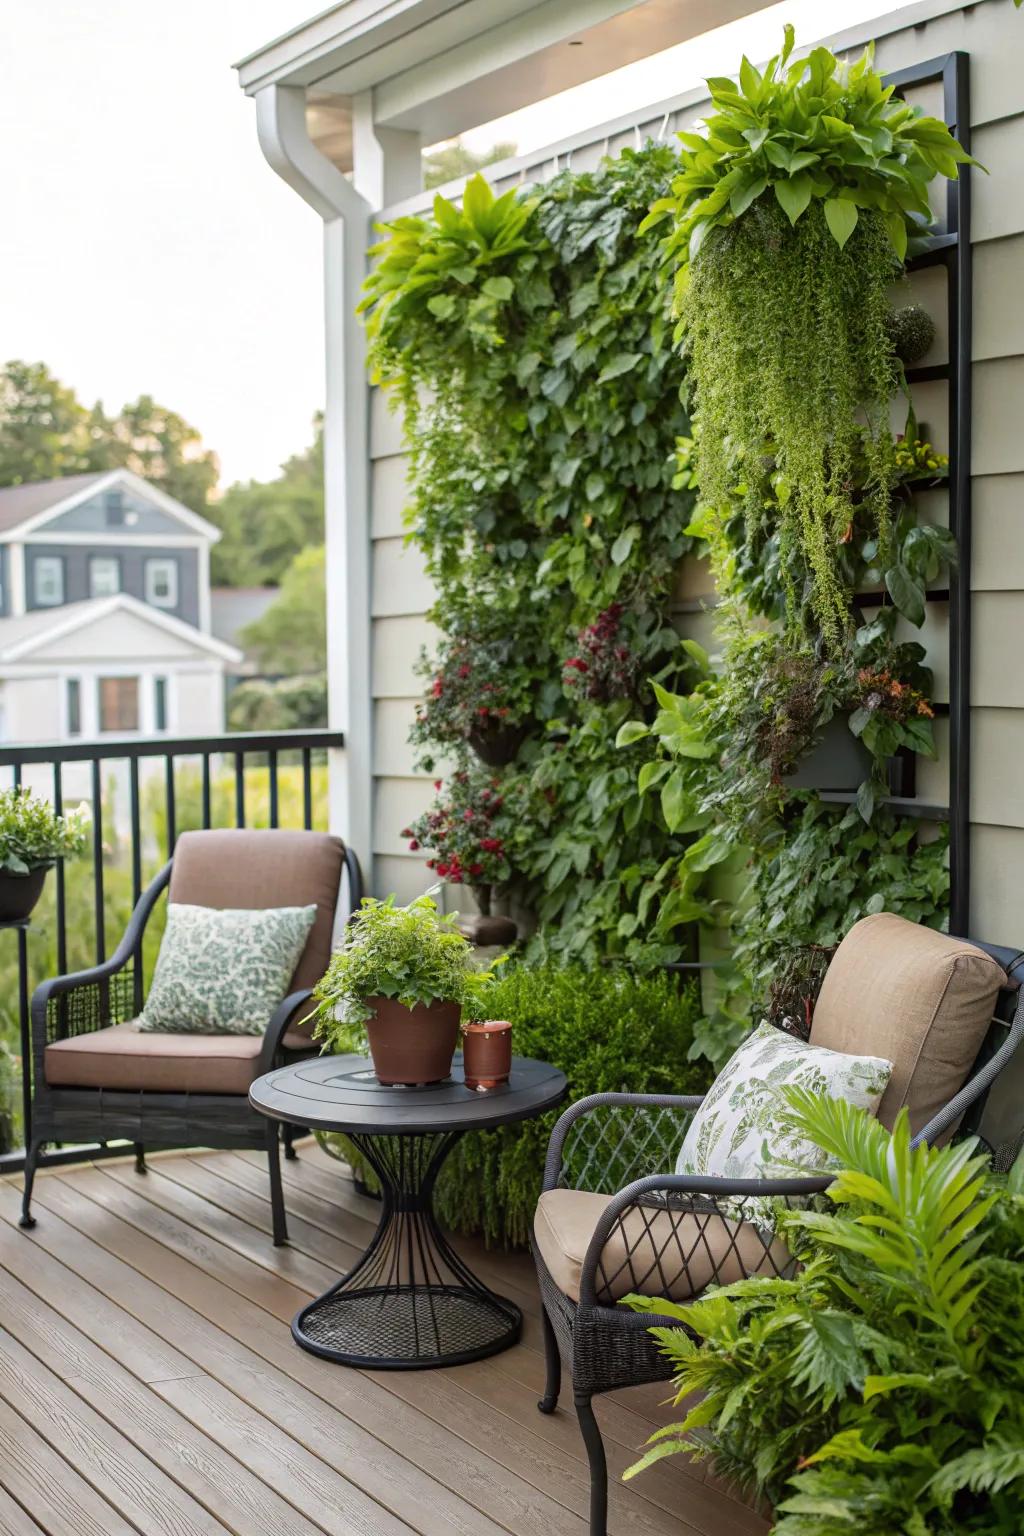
[224, 971]
[739, 1132]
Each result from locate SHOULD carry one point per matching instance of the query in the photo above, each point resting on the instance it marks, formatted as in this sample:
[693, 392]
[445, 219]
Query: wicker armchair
[96, 1078]
[611, 1222]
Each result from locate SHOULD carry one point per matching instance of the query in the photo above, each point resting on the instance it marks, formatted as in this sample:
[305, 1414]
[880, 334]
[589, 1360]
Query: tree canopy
[46, 432]
[450, 161]
[266, 523]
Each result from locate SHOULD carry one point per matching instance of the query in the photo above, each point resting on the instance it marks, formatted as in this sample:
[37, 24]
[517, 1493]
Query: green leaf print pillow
[739, 1131]
[224, 971]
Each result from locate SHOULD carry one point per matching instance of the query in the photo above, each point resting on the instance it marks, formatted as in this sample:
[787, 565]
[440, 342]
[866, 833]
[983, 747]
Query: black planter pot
[497, 745]
[19, 893]
[839, 761]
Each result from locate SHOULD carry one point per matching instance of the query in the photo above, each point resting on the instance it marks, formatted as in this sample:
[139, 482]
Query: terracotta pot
[497, 745]
[410, 1046]
[487, 1053]
[19, 893]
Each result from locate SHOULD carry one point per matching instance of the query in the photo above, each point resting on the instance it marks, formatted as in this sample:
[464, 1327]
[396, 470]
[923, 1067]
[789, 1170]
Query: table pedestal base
[410, 1303]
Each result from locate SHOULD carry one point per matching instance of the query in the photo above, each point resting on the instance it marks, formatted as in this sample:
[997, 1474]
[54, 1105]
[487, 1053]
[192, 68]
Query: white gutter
[285, 141]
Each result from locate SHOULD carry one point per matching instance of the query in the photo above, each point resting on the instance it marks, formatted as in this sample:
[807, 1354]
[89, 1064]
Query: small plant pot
[838, 761]
[19, 894]
[497, 745]
[487, 1053]
[412, 1046]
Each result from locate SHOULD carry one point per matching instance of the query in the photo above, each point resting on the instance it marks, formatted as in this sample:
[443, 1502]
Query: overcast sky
[147, 247]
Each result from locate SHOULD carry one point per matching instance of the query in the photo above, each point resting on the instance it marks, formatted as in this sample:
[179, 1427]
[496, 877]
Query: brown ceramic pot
[410, 1046]
[487, 1053]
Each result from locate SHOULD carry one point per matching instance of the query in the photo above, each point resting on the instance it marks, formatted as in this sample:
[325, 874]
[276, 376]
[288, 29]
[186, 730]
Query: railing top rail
[166, 746]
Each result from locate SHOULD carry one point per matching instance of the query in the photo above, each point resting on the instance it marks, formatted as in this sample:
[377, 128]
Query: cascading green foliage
[528, 340]
[881, 1390]
[788, 222]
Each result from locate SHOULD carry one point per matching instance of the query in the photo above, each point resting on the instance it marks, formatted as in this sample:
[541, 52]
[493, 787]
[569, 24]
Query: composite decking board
[297, 1410]
[15, 1521]
[527, 1456]
[181, 1429]
[38, 1477]
[124, 1472]
[510, 1501]
[433, 1447]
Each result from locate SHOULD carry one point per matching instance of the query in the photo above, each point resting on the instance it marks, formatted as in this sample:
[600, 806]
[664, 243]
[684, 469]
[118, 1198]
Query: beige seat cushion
[674, 1255]
[919, 998]
[121, 1058]
[242, 868]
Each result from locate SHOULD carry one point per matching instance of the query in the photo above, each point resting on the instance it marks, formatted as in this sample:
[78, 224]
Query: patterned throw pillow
[738, 1132]
[223, 972]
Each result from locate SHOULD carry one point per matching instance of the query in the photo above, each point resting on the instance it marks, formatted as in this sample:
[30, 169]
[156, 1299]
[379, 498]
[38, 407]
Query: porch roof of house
[439, 67]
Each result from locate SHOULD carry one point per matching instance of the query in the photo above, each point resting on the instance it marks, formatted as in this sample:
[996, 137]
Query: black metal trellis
[949, 247]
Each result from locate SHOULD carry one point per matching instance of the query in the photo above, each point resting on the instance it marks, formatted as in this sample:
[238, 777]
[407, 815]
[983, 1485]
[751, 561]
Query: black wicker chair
[668, 1235]
[95, 1079]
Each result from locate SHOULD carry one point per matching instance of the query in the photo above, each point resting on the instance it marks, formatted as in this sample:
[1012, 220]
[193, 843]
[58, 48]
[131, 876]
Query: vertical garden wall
[611, 780]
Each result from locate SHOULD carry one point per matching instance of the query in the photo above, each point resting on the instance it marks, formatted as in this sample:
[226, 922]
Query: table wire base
[410, 1302]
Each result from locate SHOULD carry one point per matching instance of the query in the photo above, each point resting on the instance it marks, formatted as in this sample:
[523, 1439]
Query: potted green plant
[32, 838]
[398, 984]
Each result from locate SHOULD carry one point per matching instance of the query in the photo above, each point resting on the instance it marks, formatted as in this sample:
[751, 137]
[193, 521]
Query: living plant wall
[786, 229]
[547, 350]
[529, 342]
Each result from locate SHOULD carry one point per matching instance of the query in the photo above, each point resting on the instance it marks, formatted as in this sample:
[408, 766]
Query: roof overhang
[439, 67]
[78, 616]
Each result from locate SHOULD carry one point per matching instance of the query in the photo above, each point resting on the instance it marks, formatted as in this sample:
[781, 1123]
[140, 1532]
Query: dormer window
[113, 507]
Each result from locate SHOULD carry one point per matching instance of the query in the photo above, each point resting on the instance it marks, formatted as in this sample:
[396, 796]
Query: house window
[160, 703]
[104, 575]
[48, 581]
[162, 583]
[113, 507]
[119, 703]
[74, 706]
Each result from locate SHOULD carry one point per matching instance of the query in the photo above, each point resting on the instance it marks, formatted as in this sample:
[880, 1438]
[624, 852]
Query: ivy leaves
[815, 129]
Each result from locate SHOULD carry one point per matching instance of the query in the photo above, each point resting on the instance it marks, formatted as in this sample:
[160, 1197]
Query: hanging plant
[789, 222]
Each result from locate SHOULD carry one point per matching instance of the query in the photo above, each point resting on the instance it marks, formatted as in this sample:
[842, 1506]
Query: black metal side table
[410, 1302]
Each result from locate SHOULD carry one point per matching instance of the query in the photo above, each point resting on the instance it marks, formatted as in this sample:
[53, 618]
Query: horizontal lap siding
[993, 35]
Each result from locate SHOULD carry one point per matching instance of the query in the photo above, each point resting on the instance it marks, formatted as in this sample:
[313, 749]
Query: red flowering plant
[476, 694]
[602, 667]
[468, 832]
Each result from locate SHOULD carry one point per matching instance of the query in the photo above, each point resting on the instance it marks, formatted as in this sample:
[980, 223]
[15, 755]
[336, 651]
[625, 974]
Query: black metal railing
[139, 809]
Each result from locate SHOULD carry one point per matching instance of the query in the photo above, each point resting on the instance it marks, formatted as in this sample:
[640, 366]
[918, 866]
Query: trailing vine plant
[528, 342]
[786, 226]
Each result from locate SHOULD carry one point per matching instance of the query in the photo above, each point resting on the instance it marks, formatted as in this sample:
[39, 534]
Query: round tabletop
[341, 1093]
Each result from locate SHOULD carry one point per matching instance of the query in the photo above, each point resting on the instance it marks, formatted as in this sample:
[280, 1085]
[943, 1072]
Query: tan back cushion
[919, 998]
[254, 869]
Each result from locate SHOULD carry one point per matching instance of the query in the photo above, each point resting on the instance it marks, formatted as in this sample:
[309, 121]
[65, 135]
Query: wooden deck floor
[149, 1382]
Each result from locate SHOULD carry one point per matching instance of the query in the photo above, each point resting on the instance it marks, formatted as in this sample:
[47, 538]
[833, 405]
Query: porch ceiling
[442, 66]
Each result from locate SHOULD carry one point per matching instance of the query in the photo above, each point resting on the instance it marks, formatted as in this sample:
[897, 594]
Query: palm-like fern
[882, 1389]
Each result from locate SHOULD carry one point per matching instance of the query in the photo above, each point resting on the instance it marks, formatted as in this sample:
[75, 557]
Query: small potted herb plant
[398, 983]
[32, 838]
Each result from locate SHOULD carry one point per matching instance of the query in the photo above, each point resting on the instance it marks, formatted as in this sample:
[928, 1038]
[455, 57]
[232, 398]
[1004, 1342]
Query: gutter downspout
[285, 142]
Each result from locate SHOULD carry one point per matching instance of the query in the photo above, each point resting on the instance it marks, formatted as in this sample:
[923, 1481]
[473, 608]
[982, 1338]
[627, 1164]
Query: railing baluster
[307, 788]
[239, 789]
[136, 834]
[97, 860]
[172, 817]
[207, 819]
[25, 1031]
[61, 914]
[272, 773]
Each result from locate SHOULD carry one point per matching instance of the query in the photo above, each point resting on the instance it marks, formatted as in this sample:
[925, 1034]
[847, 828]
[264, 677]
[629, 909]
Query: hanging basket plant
[789, 222]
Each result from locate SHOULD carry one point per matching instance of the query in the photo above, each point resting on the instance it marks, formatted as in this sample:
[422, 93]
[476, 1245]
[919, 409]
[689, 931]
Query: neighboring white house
[105, 613]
